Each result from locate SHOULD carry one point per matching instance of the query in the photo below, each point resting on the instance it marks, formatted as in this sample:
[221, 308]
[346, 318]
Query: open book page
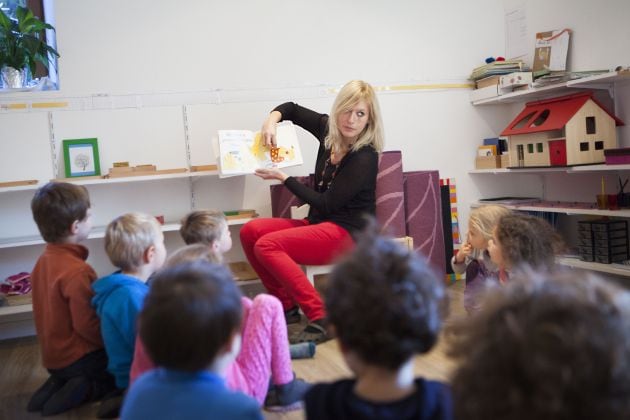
[242, 151]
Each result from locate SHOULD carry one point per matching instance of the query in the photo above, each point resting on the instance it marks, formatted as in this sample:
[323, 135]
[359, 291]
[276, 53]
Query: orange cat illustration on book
[277, 154]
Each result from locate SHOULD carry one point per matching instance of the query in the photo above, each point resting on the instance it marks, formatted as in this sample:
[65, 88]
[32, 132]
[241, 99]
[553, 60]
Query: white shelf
[569, 170]
[602, 268]
[15, 310]
[97, 232]
[600, 81]
[563, 210]
[118, 180]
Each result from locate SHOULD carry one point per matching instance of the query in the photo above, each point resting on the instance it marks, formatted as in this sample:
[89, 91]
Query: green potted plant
[22, 46]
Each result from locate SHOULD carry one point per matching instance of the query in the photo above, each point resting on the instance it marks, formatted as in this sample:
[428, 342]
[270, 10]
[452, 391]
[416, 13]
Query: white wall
[269, 52]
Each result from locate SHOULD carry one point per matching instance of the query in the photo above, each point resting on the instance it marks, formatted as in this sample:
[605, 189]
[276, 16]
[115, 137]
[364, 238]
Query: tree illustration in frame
[81, 158]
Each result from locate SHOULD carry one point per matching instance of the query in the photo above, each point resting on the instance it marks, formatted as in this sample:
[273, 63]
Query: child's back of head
[545, 347]
[56, 206]
[194, 252]
[191, 313]
[384, 303]
[524, 240]
[128, 237]
[202, 227]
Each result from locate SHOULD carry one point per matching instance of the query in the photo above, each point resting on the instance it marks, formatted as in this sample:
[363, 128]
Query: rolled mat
[390, 209]
[423, 220]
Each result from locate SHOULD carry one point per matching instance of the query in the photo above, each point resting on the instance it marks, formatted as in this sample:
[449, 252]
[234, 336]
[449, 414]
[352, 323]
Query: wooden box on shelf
[505, 160]
[487, 162]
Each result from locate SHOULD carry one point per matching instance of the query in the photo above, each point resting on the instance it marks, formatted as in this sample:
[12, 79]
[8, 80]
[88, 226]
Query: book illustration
[242, 151]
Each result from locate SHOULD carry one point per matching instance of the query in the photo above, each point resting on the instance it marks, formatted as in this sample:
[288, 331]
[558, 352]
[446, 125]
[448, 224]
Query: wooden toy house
[564, 131]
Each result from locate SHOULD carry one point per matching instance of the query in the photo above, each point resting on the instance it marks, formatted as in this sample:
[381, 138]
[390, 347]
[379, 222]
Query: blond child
[67, 326]
[265, 353]
[473, 257]
[135, 244]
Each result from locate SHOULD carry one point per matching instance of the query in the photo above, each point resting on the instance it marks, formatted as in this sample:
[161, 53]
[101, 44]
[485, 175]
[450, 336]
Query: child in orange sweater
[67, 326]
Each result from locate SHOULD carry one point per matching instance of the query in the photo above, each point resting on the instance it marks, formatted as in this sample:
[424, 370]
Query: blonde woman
[350, 142]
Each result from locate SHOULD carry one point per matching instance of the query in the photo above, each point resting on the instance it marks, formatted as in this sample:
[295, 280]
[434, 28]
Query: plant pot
[13, 78]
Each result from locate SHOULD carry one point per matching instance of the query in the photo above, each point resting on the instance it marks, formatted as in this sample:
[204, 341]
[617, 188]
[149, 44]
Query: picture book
[241, 152]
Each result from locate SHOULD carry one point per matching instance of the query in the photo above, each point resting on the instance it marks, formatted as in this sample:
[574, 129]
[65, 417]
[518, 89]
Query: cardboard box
[484, 93]
[488, 81]
[487, 162]
[505, 160]
[508, 82]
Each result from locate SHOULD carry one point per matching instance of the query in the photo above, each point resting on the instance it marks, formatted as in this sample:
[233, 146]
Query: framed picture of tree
[80, 157]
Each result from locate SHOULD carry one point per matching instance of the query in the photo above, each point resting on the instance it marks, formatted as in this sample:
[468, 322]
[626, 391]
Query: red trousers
[277, 247]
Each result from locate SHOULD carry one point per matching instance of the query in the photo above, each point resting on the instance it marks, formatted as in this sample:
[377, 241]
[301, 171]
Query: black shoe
[314, 332]
[287, 396]
[72, 394]
[111, 405]
[292, 316]
[44, 393]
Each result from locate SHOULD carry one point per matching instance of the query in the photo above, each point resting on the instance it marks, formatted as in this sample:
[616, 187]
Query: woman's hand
[268, 130]
[271, 173]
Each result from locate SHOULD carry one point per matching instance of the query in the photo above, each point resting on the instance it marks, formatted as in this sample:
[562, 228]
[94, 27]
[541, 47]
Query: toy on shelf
[122, 169]
[18, 183]
[564, 131]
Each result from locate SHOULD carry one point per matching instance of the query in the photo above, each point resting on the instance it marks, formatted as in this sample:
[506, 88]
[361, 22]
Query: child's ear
[149, 254]
[74, 227]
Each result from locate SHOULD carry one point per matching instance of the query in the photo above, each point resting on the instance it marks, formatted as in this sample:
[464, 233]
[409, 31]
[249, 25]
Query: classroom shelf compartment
[600, 81]
[118, 180]
[97, 232]
[616, 269]
[569, 170]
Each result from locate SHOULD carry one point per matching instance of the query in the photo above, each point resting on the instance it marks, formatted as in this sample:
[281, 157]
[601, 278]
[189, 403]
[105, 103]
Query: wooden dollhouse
[564, 131]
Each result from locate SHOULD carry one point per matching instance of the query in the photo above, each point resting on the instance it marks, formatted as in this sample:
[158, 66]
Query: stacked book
[498, 68]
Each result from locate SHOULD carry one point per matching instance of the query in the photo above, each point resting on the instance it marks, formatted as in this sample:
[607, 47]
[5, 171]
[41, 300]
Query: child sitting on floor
[520, 241]
[135, 244]
[384, 305]
[473, 258]
[67, 326]
[265, 351]
[545, 346]
[191, 325]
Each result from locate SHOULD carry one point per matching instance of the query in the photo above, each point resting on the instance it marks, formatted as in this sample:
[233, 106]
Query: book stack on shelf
[487, 77]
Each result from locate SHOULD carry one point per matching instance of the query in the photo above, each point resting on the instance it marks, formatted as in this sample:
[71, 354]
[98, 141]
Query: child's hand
[465, 250]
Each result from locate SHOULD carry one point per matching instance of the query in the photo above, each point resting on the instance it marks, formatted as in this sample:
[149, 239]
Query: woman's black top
[343, 193]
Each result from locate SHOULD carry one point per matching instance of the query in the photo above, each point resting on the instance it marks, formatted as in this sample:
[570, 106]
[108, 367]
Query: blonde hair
[202, 226]
[194, 252]
[350, 94]
[485, 218]
[127, 238]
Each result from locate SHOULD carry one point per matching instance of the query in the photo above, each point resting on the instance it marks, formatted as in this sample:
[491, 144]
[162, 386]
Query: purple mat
[282, 199]
[423, 210]
[390, 209]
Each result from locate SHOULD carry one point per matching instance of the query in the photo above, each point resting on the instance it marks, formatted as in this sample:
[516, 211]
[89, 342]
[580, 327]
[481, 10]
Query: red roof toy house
[565, 131]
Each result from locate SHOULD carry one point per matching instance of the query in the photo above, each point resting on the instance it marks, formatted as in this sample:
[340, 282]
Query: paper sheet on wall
[516, 42]
[551, 51]
[242, 151]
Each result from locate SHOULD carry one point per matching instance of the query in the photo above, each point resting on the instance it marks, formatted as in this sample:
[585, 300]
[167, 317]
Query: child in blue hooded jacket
[134, 243]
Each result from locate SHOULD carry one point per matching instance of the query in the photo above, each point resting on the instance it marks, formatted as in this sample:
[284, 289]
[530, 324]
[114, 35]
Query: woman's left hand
[271, 173]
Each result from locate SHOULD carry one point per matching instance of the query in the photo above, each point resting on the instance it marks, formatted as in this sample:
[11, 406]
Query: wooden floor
[21, 372]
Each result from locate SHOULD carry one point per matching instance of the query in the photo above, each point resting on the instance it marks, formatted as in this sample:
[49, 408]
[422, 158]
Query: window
[39, 9]
[541, 118]
[584, 146]
[521, 123]
[599, 145]
[539, 147]
[590, 125]
[530, 148]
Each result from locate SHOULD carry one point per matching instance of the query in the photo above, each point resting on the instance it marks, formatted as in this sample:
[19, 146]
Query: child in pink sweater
[265, 351]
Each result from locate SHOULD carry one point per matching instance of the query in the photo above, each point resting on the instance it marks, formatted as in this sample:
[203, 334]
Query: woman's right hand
[268, 130]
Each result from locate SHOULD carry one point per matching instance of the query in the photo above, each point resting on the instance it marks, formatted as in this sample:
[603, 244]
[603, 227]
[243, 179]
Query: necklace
[328, 166]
